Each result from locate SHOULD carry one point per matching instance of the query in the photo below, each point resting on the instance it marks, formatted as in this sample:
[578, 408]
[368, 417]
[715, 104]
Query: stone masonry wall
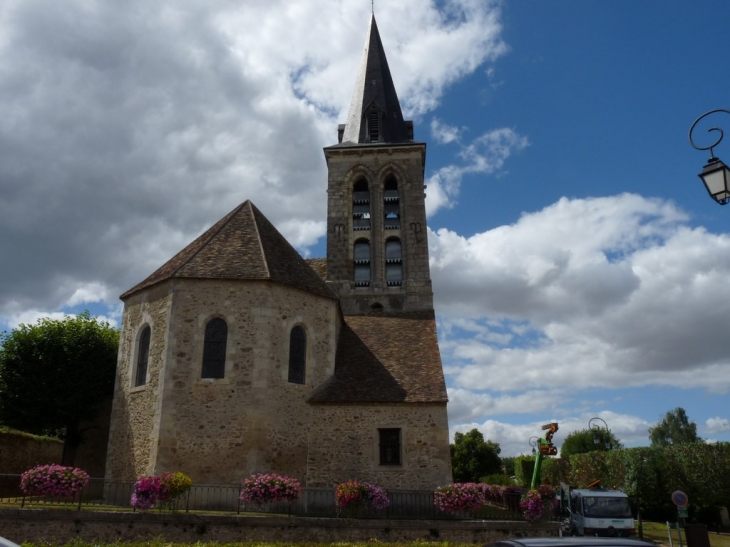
[253, 420]
[375, 164]
[135, 410]
[345, 445]
[64, 526]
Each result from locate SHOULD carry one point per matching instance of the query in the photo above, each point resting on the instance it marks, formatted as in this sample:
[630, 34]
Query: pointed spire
[375, 114]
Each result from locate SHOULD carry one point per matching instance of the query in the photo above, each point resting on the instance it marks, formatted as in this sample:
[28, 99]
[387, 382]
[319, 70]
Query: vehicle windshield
[603, 507]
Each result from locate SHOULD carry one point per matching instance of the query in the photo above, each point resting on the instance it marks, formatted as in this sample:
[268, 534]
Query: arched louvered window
[143, 356]
[214, 349]
[374, 126]
[362, 263]
[393, 261]
[297, 355]
[391, 204]
[361, 206]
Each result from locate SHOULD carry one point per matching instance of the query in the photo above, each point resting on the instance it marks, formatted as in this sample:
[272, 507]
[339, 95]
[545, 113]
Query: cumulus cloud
[129, 128]
[609, 292]
[717, 425]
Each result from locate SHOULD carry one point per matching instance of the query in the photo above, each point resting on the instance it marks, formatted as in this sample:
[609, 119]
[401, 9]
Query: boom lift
[545, 448]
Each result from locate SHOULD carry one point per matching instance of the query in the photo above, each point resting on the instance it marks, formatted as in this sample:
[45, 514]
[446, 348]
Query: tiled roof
[319, 265]
[242, 245]
[386, 358]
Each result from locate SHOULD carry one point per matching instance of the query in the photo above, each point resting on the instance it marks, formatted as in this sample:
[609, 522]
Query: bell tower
[377, 246]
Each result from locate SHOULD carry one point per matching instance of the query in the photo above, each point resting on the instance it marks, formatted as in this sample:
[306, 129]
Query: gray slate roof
[374, 84]
[242, 245]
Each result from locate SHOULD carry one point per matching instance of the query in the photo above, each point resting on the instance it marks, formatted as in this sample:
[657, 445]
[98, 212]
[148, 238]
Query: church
[238, 356]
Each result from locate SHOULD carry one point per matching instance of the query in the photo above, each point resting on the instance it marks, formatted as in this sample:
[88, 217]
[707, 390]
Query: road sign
[682, 511]
[679, 498]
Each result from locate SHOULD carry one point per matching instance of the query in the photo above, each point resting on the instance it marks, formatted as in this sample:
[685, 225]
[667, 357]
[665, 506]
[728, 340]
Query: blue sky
[577, 261]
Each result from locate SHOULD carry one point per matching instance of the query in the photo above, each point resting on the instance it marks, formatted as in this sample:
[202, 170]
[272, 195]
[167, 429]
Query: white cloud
[31, 317]
[717, 425]
[603, 292]
[443, 132]
[484, 155]
[129, 128]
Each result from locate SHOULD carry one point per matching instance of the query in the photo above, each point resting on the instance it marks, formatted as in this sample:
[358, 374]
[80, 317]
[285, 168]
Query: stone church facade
[238, 356]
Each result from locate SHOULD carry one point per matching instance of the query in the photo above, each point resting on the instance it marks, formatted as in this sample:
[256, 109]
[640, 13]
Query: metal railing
[100, 494]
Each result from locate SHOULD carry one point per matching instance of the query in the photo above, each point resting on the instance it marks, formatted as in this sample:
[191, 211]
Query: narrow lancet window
[362, 263]
[361, 206]
[143, 356]
[374, 126]
[214, 349]
[297, 355]
[391, 204]
[393, 262]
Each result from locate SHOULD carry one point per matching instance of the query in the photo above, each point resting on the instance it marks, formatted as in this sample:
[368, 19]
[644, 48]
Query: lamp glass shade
[596, 439]
[716, 177]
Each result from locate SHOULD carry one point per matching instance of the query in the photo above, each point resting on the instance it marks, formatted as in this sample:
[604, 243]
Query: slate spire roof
[374, 91]
[242, 245]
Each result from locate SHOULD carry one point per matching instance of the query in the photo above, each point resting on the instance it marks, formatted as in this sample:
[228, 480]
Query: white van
[600, 512]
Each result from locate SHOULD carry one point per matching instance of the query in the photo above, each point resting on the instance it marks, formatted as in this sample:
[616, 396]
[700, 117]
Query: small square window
[390, 446]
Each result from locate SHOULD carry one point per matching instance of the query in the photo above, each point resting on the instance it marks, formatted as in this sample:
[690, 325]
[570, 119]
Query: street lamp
[533, 444]
[596, 428]
[715, 174]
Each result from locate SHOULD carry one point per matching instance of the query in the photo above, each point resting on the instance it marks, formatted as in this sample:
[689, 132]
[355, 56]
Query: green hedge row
[649, 476]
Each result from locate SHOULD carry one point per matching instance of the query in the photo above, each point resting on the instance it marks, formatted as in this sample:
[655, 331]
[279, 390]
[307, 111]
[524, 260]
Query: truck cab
[598, 512]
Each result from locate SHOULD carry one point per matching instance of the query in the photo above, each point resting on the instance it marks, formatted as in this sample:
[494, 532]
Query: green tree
[674, 428]
[584, 440]
[55, 374]
[508, 465]
[472, 457]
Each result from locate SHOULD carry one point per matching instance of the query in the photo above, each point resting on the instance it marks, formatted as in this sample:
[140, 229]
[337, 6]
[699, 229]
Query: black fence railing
[313, 502]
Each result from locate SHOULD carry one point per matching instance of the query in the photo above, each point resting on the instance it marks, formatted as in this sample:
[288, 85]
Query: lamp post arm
[713, 145]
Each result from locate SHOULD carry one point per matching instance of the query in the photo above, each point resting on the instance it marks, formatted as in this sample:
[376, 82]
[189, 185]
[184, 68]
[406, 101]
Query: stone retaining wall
[37, 525]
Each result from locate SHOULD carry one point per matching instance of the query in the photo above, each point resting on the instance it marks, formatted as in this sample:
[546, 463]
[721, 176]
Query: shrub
[500, 480]
[269, 487]
[54, 480]
[465, 497]
[165, 488]
[351, 494]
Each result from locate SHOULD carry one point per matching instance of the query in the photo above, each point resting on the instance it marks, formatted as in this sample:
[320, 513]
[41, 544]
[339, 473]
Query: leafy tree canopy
[674, 428]
[472, 457]
[54, 375]
[584, 440]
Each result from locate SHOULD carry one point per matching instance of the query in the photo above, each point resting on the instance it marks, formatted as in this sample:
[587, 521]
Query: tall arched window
[214, 349]
[391, 204]
[361, 205]
[143, 356]
[393, 261]
[297, 355]
[362, 263]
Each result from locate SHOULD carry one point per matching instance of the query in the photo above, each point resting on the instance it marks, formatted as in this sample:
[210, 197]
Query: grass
[657, 532]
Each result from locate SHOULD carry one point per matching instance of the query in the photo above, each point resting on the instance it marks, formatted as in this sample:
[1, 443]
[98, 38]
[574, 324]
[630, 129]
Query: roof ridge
[258, 237]
[210, 238]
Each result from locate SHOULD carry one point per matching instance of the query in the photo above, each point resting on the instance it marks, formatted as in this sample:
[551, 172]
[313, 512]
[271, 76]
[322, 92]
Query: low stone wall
[21, 451]
[37, 525]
